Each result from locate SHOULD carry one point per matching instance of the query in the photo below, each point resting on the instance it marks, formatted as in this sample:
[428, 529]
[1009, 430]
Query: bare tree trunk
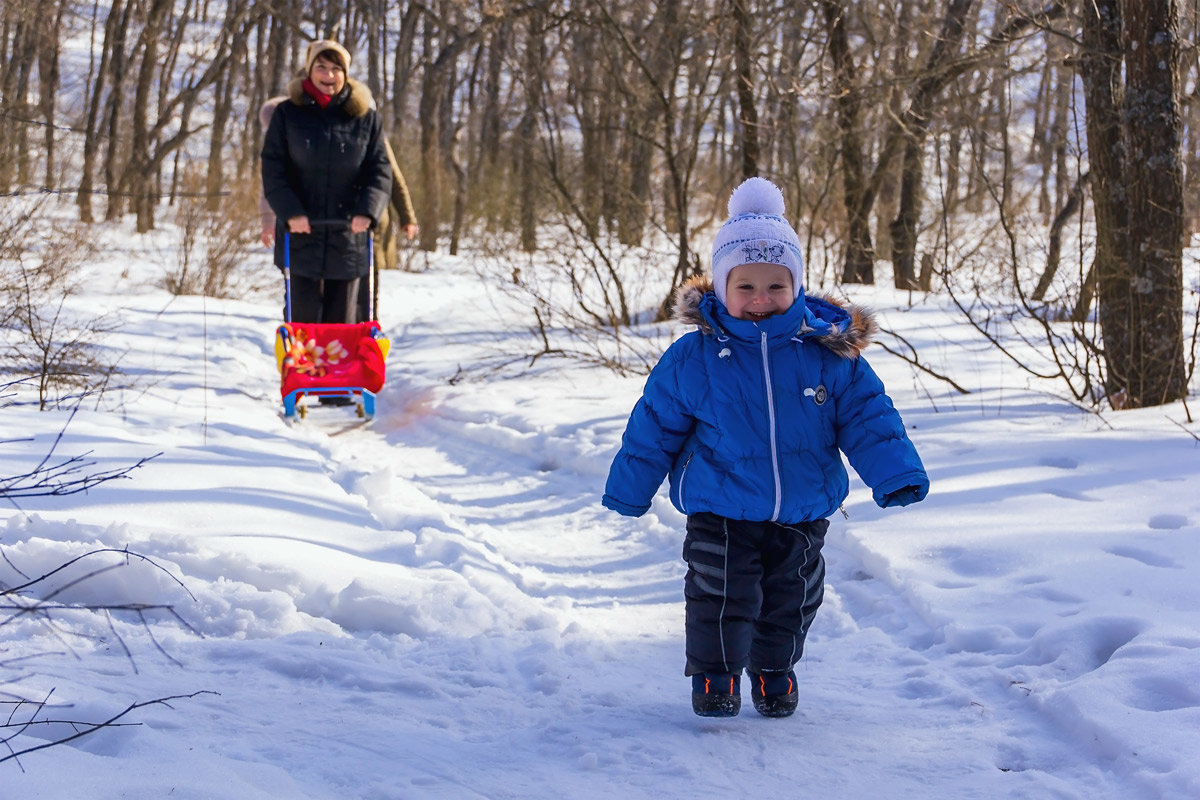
[490, 127]
[944, 65]
[1054, 251]
[1042, 113]
[916, 130]
[748, 114]
[1155, 180]
[432, 116]
[1059, 131]
[435, 110]
[91, 139]
[527, 159]
[138, 174]
[1053, 112]
[1191, 150]
[461, 192]
[591, 107]
[174, 101]
[883, 189]
[215, 180]
[372, 24]
[433, 91]
[402, 72]
[1100, 69]
[116, 99]
[859, 266]
[257, 93]
[51, 34]
[656, 67]
[14, 111]
[279, 55]
[1189, 32]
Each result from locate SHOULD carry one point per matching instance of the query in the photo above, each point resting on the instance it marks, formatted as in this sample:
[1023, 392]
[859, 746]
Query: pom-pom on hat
[320, 46]
[756, 232]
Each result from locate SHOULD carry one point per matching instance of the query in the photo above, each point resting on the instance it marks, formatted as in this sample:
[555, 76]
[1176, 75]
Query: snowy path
[479, 481]
[434, 605]
[627, 587]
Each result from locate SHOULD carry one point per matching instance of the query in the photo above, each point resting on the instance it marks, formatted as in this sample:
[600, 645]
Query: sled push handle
[287, 264]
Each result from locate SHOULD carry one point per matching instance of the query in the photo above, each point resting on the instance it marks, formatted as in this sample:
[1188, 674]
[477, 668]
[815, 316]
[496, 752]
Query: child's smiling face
[757, 291]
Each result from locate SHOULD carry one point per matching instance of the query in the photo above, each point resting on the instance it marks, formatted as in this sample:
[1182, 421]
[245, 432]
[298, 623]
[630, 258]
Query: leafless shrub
[47, 336]
[588, 301]
[48, 597]
[55, 476]
[213, 244]
[209, 255]
[991, 282]
[28, 716]
[55, 599]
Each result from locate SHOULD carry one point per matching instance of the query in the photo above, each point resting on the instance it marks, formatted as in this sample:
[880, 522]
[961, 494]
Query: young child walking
[749, 416]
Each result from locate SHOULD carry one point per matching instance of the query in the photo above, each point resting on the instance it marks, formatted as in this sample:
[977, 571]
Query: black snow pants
[752, 590]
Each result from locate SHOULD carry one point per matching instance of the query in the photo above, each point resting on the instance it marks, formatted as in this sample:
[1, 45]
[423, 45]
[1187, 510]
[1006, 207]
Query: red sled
[330, 360]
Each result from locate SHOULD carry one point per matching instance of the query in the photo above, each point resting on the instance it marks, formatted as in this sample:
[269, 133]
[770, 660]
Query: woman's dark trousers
[317, 300]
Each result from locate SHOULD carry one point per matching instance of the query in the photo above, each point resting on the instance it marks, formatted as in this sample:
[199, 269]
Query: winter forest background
[1039, 155]
[1032, 167]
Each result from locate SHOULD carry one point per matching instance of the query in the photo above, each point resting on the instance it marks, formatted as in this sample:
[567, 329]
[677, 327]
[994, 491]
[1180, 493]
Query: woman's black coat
[327, 164]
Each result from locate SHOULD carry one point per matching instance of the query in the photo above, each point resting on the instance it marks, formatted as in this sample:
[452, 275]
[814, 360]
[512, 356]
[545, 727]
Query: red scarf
[312, 91]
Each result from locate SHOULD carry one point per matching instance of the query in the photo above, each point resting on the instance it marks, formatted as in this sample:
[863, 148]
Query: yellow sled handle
[385, 344]
[281, 346]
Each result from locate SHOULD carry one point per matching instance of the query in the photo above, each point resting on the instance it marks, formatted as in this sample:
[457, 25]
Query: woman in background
[324, 159]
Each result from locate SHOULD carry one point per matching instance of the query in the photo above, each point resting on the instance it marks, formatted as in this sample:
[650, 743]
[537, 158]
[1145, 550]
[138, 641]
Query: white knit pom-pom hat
[756, 232]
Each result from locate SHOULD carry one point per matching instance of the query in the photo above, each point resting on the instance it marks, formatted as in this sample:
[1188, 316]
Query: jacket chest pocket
[348, 146]
[304, 146]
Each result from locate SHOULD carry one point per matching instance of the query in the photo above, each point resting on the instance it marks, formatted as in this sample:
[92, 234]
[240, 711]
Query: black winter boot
[716, 694]
[774, 693]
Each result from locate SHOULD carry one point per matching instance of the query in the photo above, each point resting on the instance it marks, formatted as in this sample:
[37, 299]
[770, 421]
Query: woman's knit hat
[320, 46]
[756, 232]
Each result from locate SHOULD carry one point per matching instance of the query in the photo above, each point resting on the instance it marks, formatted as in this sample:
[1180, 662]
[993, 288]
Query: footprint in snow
[1147, 557]
[1059, 462]
[1168, 522]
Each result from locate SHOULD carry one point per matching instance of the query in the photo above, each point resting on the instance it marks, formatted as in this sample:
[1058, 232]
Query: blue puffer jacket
[748, 417]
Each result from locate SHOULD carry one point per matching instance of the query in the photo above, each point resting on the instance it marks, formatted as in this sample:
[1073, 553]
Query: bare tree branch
[56, 478]
[81, 728]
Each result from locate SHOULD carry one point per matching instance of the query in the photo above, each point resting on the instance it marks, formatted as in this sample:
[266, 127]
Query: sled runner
[329, 359]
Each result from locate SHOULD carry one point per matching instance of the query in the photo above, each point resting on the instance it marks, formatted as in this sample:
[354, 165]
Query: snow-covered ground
[434, 604]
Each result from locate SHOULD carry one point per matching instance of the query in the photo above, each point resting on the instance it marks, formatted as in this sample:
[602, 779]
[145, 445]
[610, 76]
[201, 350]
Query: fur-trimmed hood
[843, 328]
[358, 101]
[750, 420]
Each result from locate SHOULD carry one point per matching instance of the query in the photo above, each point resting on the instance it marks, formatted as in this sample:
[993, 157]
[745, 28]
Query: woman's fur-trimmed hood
[846, 337]
[358, 103]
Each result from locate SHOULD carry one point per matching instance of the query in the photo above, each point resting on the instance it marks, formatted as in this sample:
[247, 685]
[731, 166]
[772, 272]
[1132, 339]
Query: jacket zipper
[683, 479]
[771, 424]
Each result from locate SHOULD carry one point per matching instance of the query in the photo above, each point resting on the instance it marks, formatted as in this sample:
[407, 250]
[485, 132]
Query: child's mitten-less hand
[903, 497]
